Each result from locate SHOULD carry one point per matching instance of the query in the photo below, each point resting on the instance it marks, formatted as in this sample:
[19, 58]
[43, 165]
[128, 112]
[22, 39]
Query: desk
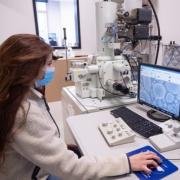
[87, 105]
[90, 140]
[72, 104]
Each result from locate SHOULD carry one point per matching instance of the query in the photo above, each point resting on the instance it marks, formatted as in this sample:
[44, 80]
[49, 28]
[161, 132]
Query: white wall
[87, 26]
[169, 13]
[16, 16]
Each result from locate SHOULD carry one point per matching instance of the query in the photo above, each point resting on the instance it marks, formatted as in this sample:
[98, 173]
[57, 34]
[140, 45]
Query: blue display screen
[159, 88]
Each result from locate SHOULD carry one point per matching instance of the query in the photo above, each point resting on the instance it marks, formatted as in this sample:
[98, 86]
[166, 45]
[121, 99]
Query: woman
[30, 147]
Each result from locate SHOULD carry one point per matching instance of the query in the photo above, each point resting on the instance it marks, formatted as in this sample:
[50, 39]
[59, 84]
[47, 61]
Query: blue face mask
[48, 77]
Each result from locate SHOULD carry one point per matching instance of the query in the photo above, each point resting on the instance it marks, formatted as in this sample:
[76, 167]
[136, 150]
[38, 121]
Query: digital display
[159, 88]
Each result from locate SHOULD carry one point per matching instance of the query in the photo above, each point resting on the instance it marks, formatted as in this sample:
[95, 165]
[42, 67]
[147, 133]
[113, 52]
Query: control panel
[170, 139]
[116, 132]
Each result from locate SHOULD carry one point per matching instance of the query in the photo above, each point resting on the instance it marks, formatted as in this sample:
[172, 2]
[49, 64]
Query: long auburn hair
[21, 58]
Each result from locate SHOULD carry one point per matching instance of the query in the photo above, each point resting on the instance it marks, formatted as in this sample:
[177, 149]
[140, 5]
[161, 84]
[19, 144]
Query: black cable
[35, 173]
[48, 109]
[137, 66]
[135, 63]
[106, 89]
[159, 32]
[123, 79]
[65, 45]
[67, 65]
[132, 71]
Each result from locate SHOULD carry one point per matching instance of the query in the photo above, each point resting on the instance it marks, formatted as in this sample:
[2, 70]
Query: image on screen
[159, 88]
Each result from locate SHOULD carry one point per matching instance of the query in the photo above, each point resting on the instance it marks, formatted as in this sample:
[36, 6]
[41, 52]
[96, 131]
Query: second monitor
[159, 88]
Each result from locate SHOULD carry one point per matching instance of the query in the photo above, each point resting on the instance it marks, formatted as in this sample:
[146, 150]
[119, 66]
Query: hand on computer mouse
[143, 161]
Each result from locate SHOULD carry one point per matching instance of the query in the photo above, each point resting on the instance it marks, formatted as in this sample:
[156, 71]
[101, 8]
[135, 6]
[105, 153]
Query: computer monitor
[159, 88]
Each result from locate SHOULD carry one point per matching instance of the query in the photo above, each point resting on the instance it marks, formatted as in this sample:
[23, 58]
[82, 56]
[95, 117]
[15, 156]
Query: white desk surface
[89, 139]
[94, 104]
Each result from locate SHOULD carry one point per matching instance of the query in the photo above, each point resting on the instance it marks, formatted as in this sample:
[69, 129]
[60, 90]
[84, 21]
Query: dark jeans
[53, 178]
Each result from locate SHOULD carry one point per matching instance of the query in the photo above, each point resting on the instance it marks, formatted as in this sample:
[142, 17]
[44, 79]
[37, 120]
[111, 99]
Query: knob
[120, 134]
[169, 125]
[104, 124]
[113, 137]
[176, 130]
[109, 131]
[115, 125]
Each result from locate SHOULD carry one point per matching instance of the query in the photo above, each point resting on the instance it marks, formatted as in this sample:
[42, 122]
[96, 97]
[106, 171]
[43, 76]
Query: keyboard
[137, 123]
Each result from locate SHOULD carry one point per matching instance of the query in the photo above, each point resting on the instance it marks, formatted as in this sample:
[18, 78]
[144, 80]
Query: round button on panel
[115, 125]
[169, 125]
[104, 124]
[122, 126]
[113, 137]
[109, 131]
[119, 134]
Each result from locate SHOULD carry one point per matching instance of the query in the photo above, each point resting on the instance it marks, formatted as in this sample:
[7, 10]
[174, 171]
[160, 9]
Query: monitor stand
[157, 116]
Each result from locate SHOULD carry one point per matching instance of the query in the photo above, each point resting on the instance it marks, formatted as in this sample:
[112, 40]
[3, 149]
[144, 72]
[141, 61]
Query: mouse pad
[164, 169]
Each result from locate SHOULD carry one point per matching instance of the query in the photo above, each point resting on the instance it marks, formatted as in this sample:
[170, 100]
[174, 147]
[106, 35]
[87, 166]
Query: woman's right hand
[143, 161]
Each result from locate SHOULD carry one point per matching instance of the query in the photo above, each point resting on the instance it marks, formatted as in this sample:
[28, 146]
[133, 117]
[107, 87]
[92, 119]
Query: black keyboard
[136, 122]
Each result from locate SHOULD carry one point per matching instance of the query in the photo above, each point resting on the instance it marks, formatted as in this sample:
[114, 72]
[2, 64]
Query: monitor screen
[159, 88]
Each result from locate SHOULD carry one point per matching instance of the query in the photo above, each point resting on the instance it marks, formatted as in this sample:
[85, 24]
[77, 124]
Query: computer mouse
[158, 162]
